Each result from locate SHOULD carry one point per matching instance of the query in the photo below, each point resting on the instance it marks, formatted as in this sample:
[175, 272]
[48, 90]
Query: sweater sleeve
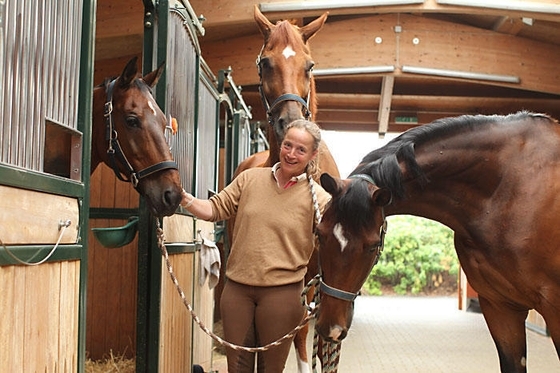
[226, 202]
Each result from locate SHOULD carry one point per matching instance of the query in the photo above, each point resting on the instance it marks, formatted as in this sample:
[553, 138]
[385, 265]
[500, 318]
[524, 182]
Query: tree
[419, 256]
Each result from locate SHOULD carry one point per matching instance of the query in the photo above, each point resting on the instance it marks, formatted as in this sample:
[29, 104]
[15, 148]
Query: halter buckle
[108, 108]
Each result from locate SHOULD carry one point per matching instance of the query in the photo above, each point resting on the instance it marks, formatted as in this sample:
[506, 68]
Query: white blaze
[288, 52]
[338, 232]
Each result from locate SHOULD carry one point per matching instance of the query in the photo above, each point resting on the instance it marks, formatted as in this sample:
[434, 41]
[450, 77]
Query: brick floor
[393, 334]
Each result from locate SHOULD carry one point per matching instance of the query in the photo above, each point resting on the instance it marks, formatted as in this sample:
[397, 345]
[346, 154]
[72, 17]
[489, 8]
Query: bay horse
[287, 91]
[128, 134]
[495, 181]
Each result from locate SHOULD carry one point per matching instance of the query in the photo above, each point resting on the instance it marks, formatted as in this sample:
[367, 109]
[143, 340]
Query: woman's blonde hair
[314, 130]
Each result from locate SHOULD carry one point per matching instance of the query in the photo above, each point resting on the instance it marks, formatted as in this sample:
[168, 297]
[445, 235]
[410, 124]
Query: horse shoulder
[326, 161]
[255, 160]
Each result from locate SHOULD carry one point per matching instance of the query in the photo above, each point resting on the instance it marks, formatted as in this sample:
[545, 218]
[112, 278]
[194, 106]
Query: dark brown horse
[287, 90]
[495, 181]
[128, 134]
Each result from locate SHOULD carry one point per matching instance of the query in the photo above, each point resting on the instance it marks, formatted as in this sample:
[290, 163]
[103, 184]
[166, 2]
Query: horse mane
[383, 164]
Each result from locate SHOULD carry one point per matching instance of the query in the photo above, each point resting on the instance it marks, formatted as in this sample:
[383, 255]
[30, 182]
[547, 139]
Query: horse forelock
[354, 207]
[285, 34]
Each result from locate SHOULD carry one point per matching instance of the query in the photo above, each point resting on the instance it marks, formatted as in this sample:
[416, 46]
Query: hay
[113, 364]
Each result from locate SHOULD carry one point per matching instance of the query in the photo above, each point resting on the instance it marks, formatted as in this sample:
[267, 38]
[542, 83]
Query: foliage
[418, 256]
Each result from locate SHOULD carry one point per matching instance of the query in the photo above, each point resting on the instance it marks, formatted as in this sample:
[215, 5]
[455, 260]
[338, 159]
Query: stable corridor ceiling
[386, 65]
[435, 58]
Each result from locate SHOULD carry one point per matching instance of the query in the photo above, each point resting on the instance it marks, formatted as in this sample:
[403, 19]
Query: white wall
[348, 148]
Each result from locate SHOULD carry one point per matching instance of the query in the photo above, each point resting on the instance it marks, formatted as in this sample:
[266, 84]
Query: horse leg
[300, 339]
[551, 315]
[507, 327]
[300, 344]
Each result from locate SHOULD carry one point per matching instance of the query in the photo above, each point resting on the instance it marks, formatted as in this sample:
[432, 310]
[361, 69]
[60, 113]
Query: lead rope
[330, 351]
[290, 335]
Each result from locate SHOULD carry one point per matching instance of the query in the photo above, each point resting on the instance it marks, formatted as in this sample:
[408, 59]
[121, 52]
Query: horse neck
[459, 181]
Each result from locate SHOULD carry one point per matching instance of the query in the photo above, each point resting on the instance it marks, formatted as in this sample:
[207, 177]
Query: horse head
[348, 248]
[129, 136]
[285, 68]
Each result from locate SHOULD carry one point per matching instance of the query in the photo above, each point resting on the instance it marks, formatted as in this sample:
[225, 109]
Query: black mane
[383, 164]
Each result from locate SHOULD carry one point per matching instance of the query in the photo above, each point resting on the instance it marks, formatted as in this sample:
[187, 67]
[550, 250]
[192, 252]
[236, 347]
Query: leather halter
[345, 295]
[115, 153]
[285, 97]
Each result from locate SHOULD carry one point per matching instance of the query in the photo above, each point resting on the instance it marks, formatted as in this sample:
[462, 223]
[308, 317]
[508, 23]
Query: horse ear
[331, 184]
[264, 24]
[381, 197]
[129, 72]
[311, 29]
[152, 78]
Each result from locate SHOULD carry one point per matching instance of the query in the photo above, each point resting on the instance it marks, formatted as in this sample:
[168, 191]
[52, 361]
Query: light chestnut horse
[128, 134]
[287, 90]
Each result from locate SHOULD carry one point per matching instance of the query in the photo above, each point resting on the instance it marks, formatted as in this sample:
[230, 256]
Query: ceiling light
[461, 74]
[518, 5]
[330, 4]
[353, 70]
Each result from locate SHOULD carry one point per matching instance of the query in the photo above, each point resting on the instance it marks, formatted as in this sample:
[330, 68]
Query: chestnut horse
[494, 180]
[128, 134]
[287, 90]
[287, 87]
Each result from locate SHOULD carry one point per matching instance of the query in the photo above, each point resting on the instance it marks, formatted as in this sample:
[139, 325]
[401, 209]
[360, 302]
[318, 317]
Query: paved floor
[392, 334]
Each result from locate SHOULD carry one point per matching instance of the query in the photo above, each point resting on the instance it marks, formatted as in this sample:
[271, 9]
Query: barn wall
[39, 314]
[112, 273]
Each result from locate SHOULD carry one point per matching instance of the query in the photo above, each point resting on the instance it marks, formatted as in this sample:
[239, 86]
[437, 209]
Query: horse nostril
[171, 198]
[337, 333]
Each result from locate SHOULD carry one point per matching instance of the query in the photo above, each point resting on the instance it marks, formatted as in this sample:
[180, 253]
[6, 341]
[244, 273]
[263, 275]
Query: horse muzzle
[163, 194]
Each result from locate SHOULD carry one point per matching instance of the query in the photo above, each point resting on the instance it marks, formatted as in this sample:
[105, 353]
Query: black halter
[115, 152]
[345, 295]
[285, 97]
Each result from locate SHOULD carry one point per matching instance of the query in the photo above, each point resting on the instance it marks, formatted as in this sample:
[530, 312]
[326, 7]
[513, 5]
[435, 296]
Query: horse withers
[128, 135]
[494, 181]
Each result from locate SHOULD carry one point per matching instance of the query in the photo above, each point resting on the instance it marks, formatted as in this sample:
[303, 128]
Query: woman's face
[296, 151]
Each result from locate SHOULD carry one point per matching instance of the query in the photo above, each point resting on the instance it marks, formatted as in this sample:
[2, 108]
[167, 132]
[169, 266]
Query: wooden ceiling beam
[422, 43]
[385, 103]
[220, 13]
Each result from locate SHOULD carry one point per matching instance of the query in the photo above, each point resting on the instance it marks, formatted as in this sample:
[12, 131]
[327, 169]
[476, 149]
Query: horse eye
[310, 66]
[132, 121]
[372, 248]
[265, 63]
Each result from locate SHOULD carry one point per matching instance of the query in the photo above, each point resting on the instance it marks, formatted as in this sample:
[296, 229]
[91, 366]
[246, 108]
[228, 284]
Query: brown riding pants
[255, 316]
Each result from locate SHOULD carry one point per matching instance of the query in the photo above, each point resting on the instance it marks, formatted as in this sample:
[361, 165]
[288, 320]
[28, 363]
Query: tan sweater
[273, 235]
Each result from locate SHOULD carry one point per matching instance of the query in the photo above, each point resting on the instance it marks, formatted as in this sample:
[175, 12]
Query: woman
[271, 246]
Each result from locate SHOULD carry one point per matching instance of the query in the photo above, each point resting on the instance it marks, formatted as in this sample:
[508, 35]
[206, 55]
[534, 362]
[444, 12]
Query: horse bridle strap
[115, 152]
[285, 97]
[337, 293]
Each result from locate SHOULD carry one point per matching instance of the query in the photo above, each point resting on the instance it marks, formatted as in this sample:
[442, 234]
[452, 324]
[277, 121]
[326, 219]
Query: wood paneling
[112, 275]
[30, 217]
[176, 327]
[39, 317]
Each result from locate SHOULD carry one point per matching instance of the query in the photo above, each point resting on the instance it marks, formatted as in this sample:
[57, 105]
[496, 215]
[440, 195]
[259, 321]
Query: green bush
[418, 256]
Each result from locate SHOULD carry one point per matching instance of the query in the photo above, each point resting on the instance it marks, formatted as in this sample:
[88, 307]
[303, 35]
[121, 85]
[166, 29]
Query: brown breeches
[255, 316]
